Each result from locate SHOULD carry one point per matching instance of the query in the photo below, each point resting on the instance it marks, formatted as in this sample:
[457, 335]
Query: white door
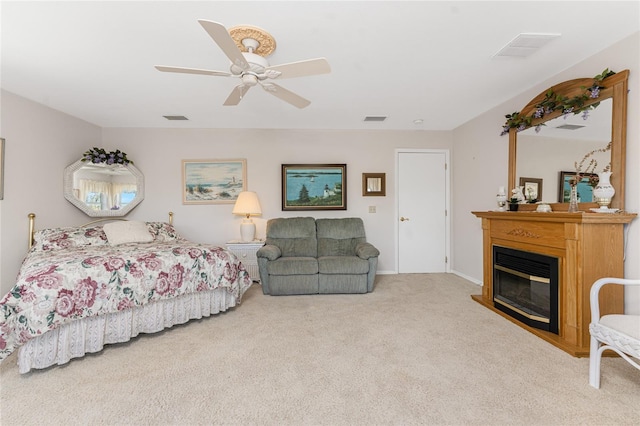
[422, 211]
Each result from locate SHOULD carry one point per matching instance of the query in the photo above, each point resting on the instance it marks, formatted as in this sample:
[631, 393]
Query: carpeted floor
[417, 350]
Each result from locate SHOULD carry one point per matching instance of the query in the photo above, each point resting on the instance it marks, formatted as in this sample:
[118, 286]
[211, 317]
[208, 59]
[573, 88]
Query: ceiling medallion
[266, 42]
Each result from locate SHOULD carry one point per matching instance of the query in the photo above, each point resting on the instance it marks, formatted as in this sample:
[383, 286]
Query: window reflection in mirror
[374, 184]
[103, 187]
[561, 143]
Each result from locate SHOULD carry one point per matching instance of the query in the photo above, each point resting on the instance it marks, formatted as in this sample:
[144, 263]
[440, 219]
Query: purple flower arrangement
[99, 155]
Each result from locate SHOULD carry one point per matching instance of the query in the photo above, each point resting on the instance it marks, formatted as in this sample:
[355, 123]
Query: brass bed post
[170, 218]
[32, 219]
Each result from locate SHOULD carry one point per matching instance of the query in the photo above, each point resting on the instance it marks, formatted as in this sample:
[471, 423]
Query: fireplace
[525, 286]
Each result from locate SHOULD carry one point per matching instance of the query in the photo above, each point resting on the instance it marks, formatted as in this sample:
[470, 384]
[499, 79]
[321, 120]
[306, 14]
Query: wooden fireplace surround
[588, 245]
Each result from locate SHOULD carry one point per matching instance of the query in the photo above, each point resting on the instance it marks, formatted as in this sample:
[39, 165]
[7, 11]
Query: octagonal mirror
[102, 190]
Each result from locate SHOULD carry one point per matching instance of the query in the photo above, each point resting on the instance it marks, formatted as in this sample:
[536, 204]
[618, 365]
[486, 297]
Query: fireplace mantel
[589, 246]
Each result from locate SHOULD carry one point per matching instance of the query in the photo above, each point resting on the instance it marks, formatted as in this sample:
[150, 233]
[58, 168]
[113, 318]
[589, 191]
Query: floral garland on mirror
[554, 102]
[99, 155]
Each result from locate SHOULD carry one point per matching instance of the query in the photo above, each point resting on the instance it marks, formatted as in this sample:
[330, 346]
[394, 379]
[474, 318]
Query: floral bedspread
[55, 287]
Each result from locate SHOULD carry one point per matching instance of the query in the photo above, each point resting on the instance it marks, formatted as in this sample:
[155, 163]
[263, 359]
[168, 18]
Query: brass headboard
[32, 222]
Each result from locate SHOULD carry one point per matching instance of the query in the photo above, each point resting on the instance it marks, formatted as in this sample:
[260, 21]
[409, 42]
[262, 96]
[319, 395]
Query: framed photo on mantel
[532, 188]
[585, 190]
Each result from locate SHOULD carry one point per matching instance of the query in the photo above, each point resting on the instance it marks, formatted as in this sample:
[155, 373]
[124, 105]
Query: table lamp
[247, 204]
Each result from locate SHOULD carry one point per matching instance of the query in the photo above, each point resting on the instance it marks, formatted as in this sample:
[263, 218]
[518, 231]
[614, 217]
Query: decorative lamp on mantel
[247, 205]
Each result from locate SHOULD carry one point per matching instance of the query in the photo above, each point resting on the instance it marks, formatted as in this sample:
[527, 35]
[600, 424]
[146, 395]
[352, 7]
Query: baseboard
[461, 275]
[466, 277]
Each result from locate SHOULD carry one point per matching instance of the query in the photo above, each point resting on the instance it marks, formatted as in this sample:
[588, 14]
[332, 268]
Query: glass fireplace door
[525, 286]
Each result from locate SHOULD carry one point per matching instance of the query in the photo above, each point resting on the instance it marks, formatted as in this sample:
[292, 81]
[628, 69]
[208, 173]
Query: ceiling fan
[247, 48]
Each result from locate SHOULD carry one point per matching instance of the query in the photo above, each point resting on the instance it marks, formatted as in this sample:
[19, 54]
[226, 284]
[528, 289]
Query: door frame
[446, 153]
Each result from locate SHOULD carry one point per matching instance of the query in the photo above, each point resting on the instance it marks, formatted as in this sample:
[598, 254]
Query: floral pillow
[62, 238]
[162, 232]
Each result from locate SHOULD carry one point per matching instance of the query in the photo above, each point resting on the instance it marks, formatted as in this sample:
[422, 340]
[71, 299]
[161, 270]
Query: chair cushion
[627, 324]
[332, 247]
[293, 266]
[339, 237]
[342, 265]
[295, 236]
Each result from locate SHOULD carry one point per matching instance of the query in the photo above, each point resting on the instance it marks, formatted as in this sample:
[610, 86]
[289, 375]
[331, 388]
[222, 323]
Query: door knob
[402, 219]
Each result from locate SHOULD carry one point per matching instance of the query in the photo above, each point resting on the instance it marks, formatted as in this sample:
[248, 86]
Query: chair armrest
[595, 290]
[366, 251]
[269, 252]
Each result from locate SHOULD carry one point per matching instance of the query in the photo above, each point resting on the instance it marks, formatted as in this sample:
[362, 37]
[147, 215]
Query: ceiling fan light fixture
[249, 79]
[246, 48]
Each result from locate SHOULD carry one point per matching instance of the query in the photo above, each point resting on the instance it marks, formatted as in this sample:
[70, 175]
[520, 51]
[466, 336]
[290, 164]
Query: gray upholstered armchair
[303, 255]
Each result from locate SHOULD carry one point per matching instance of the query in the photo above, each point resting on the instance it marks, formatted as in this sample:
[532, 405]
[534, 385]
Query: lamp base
[247, 230]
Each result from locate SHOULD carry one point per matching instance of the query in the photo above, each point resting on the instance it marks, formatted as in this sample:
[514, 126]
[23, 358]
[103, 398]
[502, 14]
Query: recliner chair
[303, 255]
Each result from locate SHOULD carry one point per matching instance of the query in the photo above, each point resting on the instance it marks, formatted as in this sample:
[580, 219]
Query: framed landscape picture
[314, 187]
[213, 181]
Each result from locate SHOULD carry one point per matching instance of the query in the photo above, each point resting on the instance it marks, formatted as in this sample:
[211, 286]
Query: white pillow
[130, 231]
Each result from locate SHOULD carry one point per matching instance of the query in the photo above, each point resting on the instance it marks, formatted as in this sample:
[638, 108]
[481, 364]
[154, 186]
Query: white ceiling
[410, 60]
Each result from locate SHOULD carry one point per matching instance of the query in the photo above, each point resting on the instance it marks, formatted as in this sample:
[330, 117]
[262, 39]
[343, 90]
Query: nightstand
[246, 252]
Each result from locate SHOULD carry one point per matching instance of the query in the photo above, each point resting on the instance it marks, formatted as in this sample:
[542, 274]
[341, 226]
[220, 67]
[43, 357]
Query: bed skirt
[89, 335]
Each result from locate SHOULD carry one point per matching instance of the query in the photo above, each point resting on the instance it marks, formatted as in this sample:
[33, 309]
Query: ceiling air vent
[570, 127]
[526, 44]
[175, 117]
[375, 118]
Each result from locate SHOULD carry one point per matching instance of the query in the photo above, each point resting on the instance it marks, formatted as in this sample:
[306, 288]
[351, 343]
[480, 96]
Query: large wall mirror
[564, 140]
[102, 190]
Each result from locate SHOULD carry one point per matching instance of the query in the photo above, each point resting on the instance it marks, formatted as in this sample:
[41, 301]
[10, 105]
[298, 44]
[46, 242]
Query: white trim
[468, 278]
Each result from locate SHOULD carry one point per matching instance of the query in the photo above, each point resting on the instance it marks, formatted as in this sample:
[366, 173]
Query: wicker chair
[617, 332]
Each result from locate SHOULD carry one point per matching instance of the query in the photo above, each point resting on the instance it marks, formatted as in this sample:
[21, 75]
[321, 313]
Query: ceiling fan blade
[192, 71]
[236, 95]
[286, 95]
[221, 36]
[302, 68]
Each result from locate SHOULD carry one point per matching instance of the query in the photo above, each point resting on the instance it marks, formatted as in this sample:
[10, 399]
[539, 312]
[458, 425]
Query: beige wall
[479, 159]
[40, 143]
[158, 153]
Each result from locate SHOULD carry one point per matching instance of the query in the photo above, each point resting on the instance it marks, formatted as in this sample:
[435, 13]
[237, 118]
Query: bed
[80, 288]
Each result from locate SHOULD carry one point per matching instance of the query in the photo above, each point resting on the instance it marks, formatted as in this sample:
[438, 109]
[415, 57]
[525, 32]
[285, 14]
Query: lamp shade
[247, 204]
